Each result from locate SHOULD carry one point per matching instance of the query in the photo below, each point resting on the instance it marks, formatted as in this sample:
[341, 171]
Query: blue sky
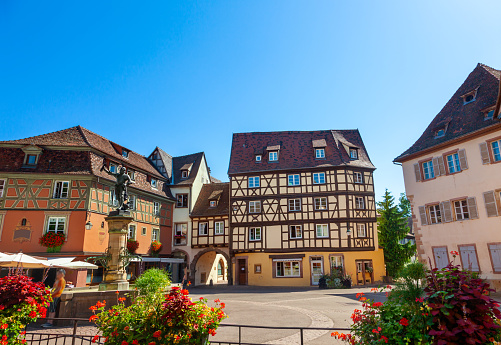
[185, 75]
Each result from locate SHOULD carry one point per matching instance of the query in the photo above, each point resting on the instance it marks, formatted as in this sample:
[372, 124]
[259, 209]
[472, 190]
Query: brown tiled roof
[179, 164]
[319, 143]
[461, 119]
[214, 180]
[202, 206]
[296, 150]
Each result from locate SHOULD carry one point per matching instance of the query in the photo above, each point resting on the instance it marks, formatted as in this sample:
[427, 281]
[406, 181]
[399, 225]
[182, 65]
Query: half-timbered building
[302, 203]
[55, 183]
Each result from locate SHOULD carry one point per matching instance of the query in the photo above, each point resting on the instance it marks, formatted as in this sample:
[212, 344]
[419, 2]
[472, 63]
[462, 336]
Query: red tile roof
[221, 191]
[461, 119]
[296, 150]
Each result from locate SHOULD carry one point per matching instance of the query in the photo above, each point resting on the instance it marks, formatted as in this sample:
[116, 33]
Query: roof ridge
[313, 131]
[490, 69]
[80, 129]
[40, 135]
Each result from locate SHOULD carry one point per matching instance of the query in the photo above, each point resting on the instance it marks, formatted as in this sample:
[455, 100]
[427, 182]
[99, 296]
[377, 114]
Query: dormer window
[113, 167]
[31, 160]
[258, 158]
[273, 156]
[213, 203]
[132, 174]
[488, 113]
[320, 153]
[125, 153]
[470, 96]
[439, 132]
[184, 174]
[353, 153]
[31, 155]
[154, 182]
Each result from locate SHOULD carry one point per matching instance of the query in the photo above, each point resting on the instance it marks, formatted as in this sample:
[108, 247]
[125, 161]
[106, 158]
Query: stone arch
[193, 264]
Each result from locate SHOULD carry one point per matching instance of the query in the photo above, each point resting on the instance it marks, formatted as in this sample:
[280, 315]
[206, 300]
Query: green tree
[392, 228]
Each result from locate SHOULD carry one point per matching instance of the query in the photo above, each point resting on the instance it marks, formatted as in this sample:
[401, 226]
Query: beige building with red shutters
[452, 178]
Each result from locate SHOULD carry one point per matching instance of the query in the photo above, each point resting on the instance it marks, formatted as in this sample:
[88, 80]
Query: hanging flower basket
[155, 248]
[53, 241]
[132, 246]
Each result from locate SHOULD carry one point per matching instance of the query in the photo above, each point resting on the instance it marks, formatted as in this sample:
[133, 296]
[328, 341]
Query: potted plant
[53, 241]
[132, 246]
[346, 281]
[155, 248]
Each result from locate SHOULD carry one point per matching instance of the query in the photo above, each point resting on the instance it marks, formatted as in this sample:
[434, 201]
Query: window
[353, 153]
[489, 115]
[258, 158]
[257, 268]
[131, 234]
[288, 268]
[2, 185]
[182, 200]
[294, 180]
[336, 261]
[254, 182]
[273, 156]
[361, 230]
[184, 174]
[468, 98]
[495, 251]
[320, 203]
[113, 198]
[440, 133]
[203, 229]
[132, 202]
[154, 182]
[359, 203]
[319, 153]
[155, 235]
[296, 232]
[61, 189]
[322, 230]
[469, 260]
[435, 214]
[495, 150]
[220, 266]
[428, 170]
[180, 230]
[125, 153]
[453, 163]
[318, 178]
[254, 206]
[358, 177]
[255, 234]
[56, 225]
[156, 207]
[31, 159]
[294, 205]
[441, 257]
[219, 228]
[213, 203]
[143, 231]
[132, 174]
[113, 168]
[461, 210]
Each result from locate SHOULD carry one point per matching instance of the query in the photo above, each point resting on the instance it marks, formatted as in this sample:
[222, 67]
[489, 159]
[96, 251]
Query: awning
[164, 260]
[293, 259]
[22, 260]
[74, 265]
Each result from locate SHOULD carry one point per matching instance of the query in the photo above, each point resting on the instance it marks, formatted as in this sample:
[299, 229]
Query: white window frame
[291, 264]
[453, 164]
[58, 219]
[319, 178]
[132, 202]
[131, 226]
[496, 150]
[219, 227]
[255, 234]
[184, 174]
[183, 197]
[435, 214]
[156, 208]
[213, 203]
[324, 230]
[359, 203]
[335, 262]
[201, 227]
[318, 203]
[154, 183]
[361, 230]
[320, 153]
[258, 158]
[294, 180]
[254, 181]
[132, 174]
[294, 204]
[428, 172]
[295, 232]
[125, 153]
[113, 167]
[461, 210]
[178, 231]
[61, 191]
[143, 231]
[255, 206]
[155, 234]
[353, 153]
[358, 177]
[113, 198]
[3, 183]
[273, 156]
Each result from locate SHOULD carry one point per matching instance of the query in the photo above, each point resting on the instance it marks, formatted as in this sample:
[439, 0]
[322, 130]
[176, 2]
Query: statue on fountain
[123, 180]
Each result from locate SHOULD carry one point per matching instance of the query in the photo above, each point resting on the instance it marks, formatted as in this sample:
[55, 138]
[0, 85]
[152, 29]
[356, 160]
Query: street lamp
[348, 231]
[88, 225]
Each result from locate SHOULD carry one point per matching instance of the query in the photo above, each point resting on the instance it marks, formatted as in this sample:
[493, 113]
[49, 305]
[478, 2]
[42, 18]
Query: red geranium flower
[404, 322]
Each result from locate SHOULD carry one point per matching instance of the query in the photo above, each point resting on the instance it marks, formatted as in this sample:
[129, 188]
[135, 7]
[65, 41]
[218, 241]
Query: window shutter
[446, 206]
[441, 165]
[422, 214]
[490, 204]
[462, 159]
[472, 207]
[417, 172]
[436, 168]
[484, 153]
[469, 258]
[495, 250]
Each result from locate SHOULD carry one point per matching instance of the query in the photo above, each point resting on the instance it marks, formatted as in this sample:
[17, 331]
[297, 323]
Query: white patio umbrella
[22, 260]
[77, 265]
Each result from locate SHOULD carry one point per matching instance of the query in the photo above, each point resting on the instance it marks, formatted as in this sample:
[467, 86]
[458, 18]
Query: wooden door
[317, 270]
[365, 273]
[242, 272]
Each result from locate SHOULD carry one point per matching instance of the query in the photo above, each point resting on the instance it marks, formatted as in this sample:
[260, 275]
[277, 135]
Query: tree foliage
[392, 228]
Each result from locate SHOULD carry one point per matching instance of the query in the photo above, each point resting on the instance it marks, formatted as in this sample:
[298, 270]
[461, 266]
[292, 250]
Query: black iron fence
[239, 335]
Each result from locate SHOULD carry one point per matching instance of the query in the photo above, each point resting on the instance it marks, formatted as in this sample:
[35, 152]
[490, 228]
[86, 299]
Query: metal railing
[74, 338]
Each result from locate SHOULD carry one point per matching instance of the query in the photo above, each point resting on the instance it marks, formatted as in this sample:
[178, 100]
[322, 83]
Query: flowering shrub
[21, 302]
[156, 246]
[132, 246]
[156, 319]
[153, 280]
[52, 240]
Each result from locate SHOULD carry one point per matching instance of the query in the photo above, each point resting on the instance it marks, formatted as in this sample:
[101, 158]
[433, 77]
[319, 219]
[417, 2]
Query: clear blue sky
[185, 75]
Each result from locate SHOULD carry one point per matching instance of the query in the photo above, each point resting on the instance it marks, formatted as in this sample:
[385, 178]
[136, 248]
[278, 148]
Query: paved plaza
[273, 306]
